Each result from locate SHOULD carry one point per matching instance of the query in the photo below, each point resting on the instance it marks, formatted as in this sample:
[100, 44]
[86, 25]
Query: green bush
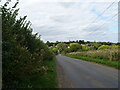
[85, 48]
[103, 47]
[115, 47]
[75, 47]
[61, 47]
[23, 53]
[96, 45]
[55, 51]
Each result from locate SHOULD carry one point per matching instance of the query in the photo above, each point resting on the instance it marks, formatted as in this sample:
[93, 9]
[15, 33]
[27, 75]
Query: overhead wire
[102, 13]
[105, 22]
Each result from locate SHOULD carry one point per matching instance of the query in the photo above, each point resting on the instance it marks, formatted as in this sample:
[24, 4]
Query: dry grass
[108, 54]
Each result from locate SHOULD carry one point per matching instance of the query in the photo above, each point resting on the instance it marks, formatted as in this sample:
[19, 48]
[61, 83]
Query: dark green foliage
[75, 47]
[89, 43]
[23, 52]
[55, 50]
[61, 47]
[96, 45]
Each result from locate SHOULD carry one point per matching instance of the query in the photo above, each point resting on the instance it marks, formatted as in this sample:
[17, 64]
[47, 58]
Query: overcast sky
[64, 20]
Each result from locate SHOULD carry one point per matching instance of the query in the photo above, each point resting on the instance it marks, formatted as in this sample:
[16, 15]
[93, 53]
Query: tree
[81, 42]
[115, 47]
[61, 47]
[103, 47]
[75, 47]
[85, 48]
[96, 45]
[55, 51]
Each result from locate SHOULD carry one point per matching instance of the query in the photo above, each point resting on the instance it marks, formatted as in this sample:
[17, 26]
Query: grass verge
[100, 61]
[47, 79]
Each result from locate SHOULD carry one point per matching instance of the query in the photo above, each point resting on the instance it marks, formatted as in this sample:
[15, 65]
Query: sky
[64, 20]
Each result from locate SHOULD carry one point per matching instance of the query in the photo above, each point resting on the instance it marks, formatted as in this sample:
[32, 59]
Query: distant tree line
[79, 45]
[81, 42]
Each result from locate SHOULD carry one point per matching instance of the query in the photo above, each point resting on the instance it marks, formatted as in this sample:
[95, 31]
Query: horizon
[78, 40]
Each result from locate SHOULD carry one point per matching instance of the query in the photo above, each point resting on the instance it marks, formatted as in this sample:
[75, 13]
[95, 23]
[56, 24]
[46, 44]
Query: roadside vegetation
[26, 61]
[96, 60]
[106, 53]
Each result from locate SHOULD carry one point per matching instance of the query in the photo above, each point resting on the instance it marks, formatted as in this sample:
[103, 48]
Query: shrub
[96, 45]
[85, 48]
[61, 47]
[75, 47]
[55, 50]
[103, 47]
[115, 47]
[23, 53]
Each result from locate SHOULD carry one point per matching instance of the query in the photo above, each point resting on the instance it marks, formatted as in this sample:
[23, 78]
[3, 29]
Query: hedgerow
[23, 52]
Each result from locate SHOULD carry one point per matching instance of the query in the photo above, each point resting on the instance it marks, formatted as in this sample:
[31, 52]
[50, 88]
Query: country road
[74, 73]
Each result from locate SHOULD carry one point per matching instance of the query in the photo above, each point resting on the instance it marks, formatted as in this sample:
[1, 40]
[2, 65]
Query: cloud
[67, 4]
[60, 20]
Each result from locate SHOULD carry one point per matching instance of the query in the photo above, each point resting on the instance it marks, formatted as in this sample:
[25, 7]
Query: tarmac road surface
[74, 73]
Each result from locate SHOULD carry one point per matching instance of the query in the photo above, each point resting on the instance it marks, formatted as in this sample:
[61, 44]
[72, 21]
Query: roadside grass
[48, 79]
[100, 61]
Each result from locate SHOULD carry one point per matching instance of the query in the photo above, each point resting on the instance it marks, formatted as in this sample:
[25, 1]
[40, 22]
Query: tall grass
[109, 57]
[108, 54]
[100, 61]
[47, 79]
